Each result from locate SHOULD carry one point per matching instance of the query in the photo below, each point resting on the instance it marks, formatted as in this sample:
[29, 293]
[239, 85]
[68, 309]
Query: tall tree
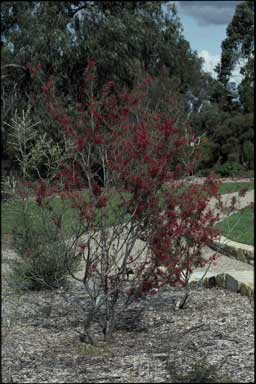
[124, 38]
[120, 36]
[228, 120]
[238, 48]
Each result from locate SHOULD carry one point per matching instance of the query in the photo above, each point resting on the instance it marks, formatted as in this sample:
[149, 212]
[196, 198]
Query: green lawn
[11, 211]
[12, 214]
[235, 187]
[239, 226]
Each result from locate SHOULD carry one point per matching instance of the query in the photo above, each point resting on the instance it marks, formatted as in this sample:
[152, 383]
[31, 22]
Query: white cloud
[236, 75]
[210, 62]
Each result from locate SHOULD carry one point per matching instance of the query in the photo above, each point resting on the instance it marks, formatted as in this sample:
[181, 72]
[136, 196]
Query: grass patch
[235, 187]
[94, 350]
[41, 262]
[239, 226]
[11, 211]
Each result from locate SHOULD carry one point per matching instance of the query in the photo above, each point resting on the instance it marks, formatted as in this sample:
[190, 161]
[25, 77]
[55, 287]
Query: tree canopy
[238, 48]
[129, 41]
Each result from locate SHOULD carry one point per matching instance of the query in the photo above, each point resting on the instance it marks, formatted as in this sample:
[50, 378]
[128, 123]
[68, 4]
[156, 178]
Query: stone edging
[234, 250]
[227, 281]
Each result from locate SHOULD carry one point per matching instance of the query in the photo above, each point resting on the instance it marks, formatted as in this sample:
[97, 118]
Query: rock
[221, 280]
[246, 289]
[210, 282]
[231, 283]
[241, 252]
[241, 255]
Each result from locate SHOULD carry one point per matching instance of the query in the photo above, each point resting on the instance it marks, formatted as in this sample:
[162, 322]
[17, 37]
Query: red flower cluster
[139, 150]
[80, 144]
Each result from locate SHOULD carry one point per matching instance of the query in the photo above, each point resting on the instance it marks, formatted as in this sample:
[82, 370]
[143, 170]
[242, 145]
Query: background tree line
[129, 41]
[228, 119]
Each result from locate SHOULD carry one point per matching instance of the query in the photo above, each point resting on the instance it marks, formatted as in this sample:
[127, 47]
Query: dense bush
[41, 262]
[229, 169]
[248, 149]
[144, 159]
[204, 172]
[200, 372]
[8, 187]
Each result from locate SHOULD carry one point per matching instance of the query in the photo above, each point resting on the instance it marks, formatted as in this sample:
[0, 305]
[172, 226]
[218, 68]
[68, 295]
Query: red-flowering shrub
[158, 227]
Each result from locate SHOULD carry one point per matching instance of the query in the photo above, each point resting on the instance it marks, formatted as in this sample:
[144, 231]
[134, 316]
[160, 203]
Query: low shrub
[8, 188]
[203, 172]
[200, 372]
[139, 151]
[159, 223]
[229, 169]
[42, 261]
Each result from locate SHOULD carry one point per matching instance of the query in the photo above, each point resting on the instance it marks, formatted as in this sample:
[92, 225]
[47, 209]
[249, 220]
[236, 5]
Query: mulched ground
[41, 343]
[40, 340]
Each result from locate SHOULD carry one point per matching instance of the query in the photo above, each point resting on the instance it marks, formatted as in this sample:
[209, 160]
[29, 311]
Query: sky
[204, 27]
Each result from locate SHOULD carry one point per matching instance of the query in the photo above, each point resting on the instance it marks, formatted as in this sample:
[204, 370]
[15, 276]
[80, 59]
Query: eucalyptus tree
[128, 40]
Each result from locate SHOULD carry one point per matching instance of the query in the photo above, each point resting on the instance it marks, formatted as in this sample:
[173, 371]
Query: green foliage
[229, 137]
[128, 40]
[15, 209]
[229, 169]
[8, 187]
[208, 155]
[42, 262]
[204, 172]
[228, 120]
[138, 34]
[246, 88]
[35, 154]
[58, 38]
[248, 150]
[239, 44]
[239, 41]
[235, 187]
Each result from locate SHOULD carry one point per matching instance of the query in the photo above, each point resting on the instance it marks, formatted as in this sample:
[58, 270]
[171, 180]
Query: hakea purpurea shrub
[141, 217]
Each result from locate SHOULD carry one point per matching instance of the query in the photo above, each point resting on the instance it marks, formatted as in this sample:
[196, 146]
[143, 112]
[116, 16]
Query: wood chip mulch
[40, 341]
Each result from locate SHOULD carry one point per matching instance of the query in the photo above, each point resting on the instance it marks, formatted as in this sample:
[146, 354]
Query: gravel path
[223, 180]
[224, 263]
